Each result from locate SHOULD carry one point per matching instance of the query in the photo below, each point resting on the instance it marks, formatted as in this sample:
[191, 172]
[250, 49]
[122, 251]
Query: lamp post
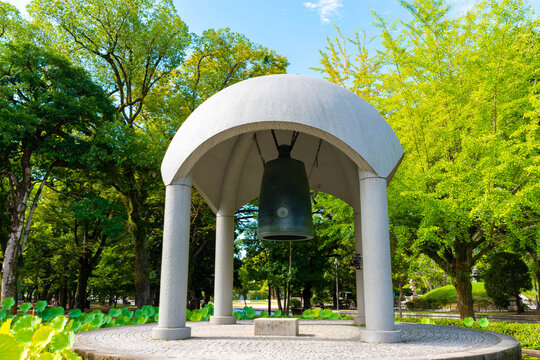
[336, 262]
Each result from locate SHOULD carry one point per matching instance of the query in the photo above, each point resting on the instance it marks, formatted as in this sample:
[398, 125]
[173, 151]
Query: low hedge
[528, 335]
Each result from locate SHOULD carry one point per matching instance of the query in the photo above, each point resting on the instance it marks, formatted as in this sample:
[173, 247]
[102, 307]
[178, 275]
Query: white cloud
[325, 8]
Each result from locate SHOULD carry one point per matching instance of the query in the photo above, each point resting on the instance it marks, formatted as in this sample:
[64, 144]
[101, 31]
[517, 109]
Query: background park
[92, 92]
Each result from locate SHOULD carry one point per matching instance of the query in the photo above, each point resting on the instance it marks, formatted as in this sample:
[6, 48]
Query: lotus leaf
[468, 321]
[7, 303]
[9, 349]
[25, 307]
[75, 313]
[42, 336]
[483, 323]
[40, 306]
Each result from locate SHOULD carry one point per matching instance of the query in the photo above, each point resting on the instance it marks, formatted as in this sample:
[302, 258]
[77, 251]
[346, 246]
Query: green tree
[130, 47]
[456, 91]
[506, 276]
[49, 111]
[93, 220]
[12, 26]
[221, 58]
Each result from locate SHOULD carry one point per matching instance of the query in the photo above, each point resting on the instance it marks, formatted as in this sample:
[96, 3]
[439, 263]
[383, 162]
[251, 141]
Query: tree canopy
[458, 92]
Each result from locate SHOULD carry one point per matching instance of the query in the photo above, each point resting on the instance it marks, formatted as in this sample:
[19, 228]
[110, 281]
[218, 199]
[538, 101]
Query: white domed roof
[339, 134]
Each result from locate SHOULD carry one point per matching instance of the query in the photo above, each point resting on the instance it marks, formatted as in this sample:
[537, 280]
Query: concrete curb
[317, 340]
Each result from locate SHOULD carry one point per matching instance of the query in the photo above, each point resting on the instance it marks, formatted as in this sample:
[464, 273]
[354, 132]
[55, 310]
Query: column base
[171, 333]
[360, 320]
[222, 320]
[375, 336]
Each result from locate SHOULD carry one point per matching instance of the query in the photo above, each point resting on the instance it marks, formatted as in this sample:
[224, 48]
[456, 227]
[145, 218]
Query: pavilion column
[360, 317]
[174, 262]
[379, 303]
[223, 281]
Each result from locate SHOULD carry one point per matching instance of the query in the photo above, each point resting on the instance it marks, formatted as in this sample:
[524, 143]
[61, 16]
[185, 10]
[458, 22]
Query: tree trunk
[269, 300]
[288, 299]
[142, 279]
[462, 283]
[278, 297]
[399, 299]
[537, 282]
[82, 285]
[518, 303]
[62, 298]
[194, 301]
[306, 296]
[9, 265]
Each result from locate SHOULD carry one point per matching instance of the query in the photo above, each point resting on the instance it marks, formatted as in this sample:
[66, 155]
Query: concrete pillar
[174, 263]
[379, 303]
[360, 317]
[223, 282]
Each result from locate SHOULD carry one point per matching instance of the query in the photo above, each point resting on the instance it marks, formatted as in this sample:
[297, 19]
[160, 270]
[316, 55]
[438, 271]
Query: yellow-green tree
[456, 90]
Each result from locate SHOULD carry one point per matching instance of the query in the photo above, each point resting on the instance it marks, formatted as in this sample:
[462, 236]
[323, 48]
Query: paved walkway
[317, 340]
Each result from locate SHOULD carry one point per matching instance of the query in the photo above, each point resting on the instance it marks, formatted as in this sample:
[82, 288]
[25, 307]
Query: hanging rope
[275, 138]
[258, 148]
[316, 160]
[294, 137]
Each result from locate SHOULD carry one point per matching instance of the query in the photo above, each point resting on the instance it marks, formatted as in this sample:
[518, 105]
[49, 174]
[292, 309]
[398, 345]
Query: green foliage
[446, 295]
[200, 314]
[461, 93]
[506, 275]
[7, 303]
[75, 313]
[257, 295]
[30, 336]
[483, 323]
[25, 307]
[247, 313]
[10, 348]
[40, 306]
[295, 303]
[468, 321]
[326, 314]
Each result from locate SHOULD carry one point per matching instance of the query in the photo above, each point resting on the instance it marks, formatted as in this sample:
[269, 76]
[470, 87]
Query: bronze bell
[284, 200]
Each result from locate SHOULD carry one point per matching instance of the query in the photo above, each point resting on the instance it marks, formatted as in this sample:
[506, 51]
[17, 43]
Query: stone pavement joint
[317, 339]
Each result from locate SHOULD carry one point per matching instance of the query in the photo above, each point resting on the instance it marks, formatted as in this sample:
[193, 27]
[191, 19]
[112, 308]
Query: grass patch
[446, 296]
[448, 293]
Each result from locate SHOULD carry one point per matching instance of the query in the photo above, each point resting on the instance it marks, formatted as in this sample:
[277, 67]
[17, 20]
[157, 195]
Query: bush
[257, 295]
[296, 303]
[505, 276]
[410, 305]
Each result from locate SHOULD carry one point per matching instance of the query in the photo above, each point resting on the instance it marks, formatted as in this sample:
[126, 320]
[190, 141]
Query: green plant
[328, 314]
[28, 336]
[247, 313]
[296, 303]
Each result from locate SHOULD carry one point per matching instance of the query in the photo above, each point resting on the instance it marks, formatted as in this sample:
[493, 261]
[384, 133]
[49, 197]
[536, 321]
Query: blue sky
[296, 29]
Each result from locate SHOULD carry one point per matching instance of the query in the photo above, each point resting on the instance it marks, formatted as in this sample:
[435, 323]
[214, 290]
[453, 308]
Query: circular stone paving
[317, 340]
